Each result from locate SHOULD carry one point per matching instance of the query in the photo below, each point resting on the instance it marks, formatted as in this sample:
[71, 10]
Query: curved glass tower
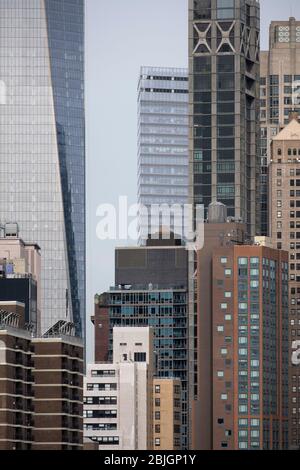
[42, 144]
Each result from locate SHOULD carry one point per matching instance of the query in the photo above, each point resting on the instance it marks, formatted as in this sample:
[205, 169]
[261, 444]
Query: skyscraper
[279, 70]
[151, 290]
[224, 106]
[162, 141]
[242, 303]
[284, 198]
[42, 144]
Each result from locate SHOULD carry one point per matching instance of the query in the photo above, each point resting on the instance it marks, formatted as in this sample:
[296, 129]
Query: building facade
[162, 143]
[250, 348]
[118, 395]
[42, 144]
[279, 93]
[243, 314]
[165, 310]
[20, 275]
[167, 410]
[224, 106]
[16, 380]
[217, 232]
[284, 204]
[58, 360]
[37, 377]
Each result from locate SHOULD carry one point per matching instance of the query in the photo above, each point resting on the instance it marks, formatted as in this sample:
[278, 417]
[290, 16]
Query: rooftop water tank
[217, 213]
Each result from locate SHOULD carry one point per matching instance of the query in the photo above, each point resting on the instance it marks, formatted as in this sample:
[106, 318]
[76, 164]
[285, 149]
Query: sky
[121, 36]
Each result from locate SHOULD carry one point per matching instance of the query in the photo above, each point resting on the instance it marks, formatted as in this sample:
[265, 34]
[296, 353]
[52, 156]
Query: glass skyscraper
[224, 50]
[162, 142]
[42, 144]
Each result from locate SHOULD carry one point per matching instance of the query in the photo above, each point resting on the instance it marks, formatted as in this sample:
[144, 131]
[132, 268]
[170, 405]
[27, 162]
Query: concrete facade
[118, 395]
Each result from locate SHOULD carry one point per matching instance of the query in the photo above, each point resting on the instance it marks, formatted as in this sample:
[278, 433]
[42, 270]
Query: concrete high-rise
[284, 209]
[224, 106]
[162, 143]
[280, 76]
[42, 144]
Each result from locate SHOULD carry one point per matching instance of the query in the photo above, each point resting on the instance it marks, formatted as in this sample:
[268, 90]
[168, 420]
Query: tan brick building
[280, 73]
[284, 194]
[166, 414]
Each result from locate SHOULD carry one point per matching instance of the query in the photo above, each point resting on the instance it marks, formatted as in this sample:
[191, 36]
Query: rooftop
[290, 132]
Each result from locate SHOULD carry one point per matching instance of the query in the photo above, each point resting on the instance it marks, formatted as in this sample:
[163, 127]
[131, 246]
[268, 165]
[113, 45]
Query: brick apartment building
[41, 382]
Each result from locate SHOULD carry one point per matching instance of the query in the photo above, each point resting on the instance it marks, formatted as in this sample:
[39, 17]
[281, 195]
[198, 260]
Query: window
[157, 402]
[103, 373]
[157, 388]
[254, 422]
[157, 442]
[224, 396]
[228, 317]
[225, 9]
[228, 272]
[224, 260]
[243, 445]
[220, 329]
[228, 295]
[220, 374]
[140, 357]
[157, 415]
[157, 429]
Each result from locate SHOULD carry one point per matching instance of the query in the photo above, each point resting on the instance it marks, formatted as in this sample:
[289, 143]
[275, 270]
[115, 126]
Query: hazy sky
[121, 36]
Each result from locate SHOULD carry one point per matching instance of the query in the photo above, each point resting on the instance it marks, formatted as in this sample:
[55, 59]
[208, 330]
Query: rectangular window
[140, 357]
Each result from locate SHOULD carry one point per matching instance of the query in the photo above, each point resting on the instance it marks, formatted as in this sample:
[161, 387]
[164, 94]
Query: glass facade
[166, 312]
[42, 144]
[224, 92]
[162, 140]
